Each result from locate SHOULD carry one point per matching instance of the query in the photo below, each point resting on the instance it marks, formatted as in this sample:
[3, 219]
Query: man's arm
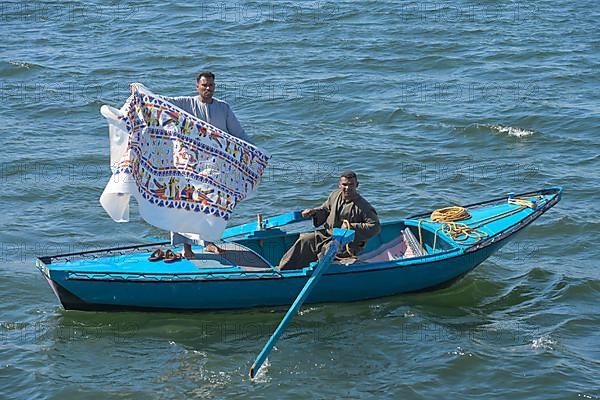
[186, 103]
[320, 213]
[234, 127]
[369, 227]
[183, 102]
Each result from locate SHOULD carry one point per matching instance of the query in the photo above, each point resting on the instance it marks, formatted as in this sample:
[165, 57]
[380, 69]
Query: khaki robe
[331, 214]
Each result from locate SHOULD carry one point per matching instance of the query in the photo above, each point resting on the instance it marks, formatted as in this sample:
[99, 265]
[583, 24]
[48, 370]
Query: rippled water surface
[432, 104]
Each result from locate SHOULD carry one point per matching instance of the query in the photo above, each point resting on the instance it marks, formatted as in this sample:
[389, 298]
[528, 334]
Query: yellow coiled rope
[447, 217]
[460, 232]
[450, 214]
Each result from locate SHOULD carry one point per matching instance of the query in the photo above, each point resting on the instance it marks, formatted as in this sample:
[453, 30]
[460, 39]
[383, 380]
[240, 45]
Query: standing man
[344, 208]
[217, 113]
[208, 108]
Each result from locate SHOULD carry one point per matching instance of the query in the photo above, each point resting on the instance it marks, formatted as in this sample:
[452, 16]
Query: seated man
[344, 208]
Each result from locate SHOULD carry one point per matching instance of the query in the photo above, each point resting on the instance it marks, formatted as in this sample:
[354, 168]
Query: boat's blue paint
[130, 281]
[272, 222]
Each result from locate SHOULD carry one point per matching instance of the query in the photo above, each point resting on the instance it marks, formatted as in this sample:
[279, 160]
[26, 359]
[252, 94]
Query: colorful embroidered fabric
[186, 174]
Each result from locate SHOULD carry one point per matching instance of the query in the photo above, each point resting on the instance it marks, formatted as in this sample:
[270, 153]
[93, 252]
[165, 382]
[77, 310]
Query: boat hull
[128, 281]
[268, 290]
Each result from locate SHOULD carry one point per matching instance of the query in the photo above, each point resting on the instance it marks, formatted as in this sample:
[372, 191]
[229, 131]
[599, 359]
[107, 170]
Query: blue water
[433, 104]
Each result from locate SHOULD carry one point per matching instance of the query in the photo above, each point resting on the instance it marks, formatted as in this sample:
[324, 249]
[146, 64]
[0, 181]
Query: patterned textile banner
[186, 175]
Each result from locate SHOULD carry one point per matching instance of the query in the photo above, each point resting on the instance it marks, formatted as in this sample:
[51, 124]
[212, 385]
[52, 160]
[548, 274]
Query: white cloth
[186, 175]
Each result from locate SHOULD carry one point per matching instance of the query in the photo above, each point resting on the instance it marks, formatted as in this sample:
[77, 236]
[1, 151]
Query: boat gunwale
[456, 251]
[554, 190]
[510, 230]
[305, 272]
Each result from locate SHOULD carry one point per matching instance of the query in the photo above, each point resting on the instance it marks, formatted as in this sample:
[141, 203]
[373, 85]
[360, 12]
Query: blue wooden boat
[410, 255]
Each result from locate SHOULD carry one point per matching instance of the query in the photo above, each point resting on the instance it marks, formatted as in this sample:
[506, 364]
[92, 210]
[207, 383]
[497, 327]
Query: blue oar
[341, 237]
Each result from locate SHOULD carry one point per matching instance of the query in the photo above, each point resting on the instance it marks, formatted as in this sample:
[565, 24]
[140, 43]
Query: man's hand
[309, 212]
[346, 225]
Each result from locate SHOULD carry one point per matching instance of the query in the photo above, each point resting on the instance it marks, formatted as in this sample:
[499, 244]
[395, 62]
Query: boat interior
[249, 248]
[396, 240]
[259, 251]
[414, 237]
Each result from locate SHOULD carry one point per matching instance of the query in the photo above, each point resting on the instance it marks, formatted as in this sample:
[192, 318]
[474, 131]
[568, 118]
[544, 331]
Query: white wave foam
[307, 310]
[21, 64]
[511, 131]
[543, 342]
[460, 352]
[261, 375]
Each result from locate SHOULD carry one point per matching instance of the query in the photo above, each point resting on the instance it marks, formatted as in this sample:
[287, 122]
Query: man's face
[206, 88]
[348, 187]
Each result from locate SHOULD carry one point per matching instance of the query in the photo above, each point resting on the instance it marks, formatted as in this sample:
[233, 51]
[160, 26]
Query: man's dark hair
[349, 175]
[205, 74]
